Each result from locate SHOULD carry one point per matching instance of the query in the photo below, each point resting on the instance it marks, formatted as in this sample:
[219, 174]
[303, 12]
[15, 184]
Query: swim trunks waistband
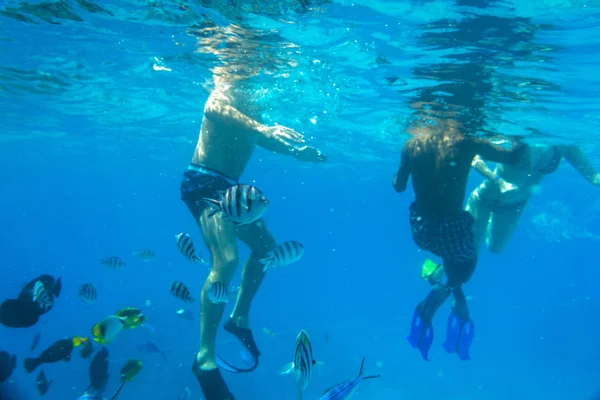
[209, 171]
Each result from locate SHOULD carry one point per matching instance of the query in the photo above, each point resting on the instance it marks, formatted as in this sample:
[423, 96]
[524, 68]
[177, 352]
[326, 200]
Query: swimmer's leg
[502, 227]
[480, 210]
[421, 330]
[220, 239]
[460, 330]
[260, 241]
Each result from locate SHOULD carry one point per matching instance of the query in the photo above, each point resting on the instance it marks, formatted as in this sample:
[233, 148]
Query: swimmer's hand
[310, 154]
[506, 187]
[284, 135]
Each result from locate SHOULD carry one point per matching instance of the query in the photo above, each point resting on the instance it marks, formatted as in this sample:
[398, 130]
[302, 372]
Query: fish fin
[371, 376]
[299, 393]
[30, 364]
[267, 262]
[287, 369]
[198, 260]
[57, 287]
[360, 371]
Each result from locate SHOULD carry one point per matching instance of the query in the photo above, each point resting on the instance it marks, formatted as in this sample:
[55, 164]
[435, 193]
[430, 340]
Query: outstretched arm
[480, 166]
[491, 152]
[279, 139]
[401, 178]
[575, 156]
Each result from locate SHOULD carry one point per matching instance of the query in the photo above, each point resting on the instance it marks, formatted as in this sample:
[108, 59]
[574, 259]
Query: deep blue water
[94, 143]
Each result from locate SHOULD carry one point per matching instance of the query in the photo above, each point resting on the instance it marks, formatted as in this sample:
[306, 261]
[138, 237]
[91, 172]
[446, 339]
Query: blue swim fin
[421, 335]
[459, 336]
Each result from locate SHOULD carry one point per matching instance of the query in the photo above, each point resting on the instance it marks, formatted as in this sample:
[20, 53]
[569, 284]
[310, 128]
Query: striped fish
[303, 362]
[186, 247]
[113, 262]
[145, 255]
[41, 296]
[220, 292]
[180, 291]
[345, 389]
[286, 253]
[240, 204]
[88, 293]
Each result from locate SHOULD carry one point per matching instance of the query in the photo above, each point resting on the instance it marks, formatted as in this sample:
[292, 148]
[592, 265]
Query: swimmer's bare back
[440, 165]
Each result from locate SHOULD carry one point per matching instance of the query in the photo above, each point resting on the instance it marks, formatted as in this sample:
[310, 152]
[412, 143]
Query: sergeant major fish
[88, 293]
[186, 247]
[303, 362]
[113, 262]
[220, 292]
[146, 255]
[180, 291]
[42, 297]
[287, 253]
[240, 204]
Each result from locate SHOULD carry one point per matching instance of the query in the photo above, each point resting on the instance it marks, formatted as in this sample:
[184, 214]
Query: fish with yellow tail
[107, 330]
[133, 317]
[58, 351]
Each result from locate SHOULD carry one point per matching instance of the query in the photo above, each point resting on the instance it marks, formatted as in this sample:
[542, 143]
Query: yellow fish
[106, 330]
[133, 317]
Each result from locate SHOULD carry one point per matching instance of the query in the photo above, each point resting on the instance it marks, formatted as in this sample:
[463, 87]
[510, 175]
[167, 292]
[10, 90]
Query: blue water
[100, 114]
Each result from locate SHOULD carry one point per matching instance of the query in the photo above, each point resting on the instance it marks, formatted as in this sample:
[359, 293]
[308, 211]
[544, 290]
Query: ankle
[205, 361]
[241, 322]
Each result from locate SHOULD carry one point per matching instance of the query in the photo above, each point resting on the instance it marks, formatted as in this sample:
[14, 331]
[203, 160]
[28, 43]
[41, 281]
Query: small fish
[345, 389]
[180, 291]
[98, 371]
[240, 204]
[113, 262]
[35, 341]
[87, 293]
[131, 317]
[146, 255]
[42, 384]
[107, 330]
[42, 297]
[303, 362]
[269, 332]
[130, 370]
[186, 247]
[87, 350]
[58, 351]
[186, 314]
[287, 253]
[151, 347]
[7, 365]
[219, 292]
[185, 395]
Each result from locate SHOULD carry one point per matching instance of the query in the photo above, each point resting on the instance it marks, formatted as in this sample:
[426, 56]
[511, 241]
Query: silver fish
[240, 204]
[113, 262]
[145, 255]
[180, 291]
[219, 292]
[303, 362]
[186, 314]
[345, 389]
[186, 247]
[88, 293]
[286, 253]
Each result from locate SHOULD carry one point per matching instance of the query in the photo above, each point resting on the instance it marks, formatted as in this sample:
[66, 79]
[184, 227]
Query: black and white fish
[146, 255]
[180, 291]
[219, 292]
[240, 204]
[88, 293]
[303, 362]
[42, 384]
[42, 297]
[345, 389]
[186, 247]
[286, 253]
[113, 262]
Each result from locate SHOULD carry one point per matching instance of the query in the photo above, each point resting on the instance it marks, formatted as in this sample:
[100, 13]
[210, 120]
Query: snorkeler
[439, 162]
[498, 203]
[229, 134]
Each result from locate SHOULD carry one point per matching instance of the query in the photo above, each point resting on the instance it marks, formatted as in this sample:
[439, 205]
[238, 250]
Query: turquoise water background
[101, 106]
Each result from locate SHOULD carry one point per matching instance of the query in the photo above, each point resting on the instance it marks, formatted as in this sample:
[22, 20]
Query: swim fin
[421, 335]
[459, 336]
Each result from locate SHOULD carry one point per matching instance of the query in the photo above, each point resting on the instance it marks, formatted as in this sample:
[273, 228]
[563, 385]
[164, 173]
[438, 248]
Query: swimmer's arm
[480, 166]
[218, 110]
[486, 150]
[401, 178]
[575, 156]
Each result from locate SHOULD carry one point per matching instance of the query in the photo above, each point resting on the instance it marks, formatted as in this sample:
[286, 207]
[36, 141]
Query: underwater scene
[299, 199]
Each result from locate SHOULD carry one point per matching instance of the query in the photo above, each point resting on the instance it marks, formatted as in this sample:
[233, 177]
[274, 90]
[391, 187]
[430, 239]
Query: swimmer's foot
[421, 334]
[247, 339]
[211, 382]
[459, 336]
